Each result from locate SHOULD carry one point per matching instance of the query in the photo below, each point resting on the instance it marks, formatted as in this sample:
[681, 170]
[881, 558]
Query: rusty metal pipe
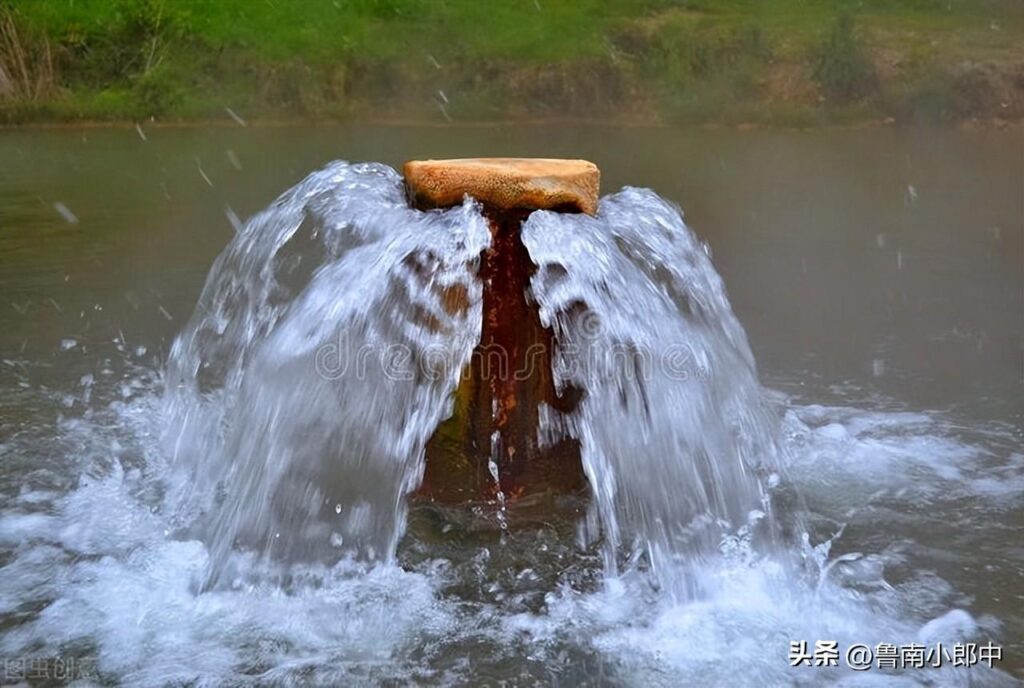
[496, 406]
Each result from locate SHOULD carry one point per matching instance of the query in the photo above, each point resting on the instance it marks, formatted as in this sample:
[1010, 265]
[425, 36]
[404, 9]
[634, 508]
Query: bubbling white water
[96, 572]
[235, 550]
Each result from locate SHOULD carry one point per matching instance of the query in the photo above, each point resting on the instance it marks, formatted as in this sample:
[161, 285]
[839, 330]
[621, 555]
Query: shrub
[840, 64]
[156, 92]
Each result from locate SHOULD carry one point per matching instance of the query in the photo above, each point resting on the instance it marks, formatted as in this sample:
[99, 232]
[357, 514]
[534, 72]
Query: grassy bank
[792, 62]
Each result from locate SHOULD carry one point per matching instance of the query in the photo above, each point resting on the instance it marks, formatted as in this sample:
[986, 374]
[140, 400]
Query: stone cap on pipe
[505, 183]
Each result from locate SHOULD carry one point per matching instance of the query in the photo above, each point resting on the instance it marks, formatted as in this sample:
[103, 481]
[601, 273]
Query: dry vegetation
[27, 71]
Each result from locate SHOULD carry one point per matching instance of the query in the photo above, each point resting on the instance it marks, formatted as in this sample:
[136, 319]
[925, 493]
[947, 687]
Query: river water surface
[879, 275]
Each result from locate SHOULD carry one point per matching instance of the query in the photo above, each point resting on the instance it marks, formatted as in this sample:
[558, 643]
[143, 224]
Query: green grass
[683, 60]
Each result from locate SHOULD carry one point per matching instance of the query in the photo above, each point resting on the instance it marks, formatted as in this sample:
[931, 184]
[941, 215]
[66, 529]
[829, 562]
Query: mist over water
[180, 521]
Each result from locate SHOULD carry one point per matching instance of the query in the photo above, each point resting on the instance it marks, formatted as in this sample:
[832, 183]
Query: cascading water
[675, 435]
[261, 541]
[331, 334]
[320, 359]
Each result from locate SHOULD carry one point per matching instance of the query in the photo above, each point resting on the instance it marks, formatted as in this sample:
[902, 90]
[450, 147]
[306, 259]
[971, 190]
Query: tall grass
[27, 70]
[692, 60]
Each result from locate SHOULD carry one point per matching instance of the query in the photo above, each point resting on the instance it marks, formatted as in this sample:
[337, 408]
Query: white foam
[114, 577]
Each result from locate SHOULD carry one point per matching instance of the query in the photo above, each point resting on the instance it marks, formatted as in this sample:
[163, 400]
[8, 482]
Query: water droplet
[66, 213]
[911, 194]
[238, 120]
[233, 218]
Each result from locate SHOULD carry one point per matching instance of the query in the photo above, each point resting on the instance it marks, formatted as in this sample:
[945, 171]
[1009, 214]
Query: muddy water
[880, 278]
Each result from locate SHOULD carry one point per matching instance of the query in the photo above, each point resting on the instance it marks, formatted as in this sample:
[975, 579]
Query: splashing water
[300, 406]
[673, 426]
[304, 389]
[293, 413]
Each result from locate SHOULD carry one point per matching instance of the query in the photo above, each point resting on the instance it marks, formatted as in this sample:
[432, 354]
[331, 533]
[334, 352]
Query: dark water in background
[839, 249]
[879, 275]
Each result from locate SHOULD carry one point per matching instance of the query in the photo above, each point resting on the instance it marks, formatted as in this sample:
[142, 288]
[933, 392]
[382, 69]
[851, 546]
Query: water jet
[473, 331]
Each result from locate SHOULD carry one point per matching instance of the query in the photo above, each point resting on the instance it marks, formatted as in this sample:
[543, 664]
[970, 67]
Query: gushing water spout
[504, 336]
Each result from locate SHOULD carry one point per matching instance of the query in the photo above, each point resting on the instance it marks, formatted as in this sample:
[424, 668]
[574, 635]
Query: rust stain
[510, 374]
[509, 377]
